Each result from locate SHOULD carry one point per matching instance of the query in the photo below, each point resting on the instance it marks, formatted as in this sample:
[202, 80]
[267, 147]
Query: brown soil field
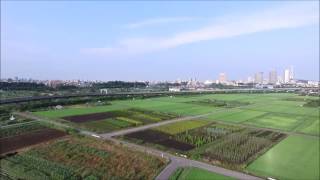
[13, 143]
[90, 117]
[160, 138]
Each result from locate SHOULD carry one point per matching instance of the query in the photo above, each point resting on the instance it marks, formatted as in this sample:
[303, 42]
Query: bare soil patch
[156, 137]
[13, 143]
[90, 117]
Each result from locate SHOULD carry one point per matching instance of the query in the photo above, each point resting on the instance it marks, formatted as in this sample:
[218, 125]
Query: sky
[140, 40]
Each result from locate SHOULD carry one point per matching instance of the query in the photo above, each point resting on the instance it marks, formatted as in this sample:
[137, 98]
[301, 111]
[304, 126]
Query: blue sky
[158, 40]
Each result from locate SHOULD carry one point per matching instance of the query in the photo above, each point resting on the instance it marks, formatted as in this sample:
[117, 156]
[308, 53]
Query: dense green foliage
[120, 84]
[312, 103]
[10, 86]
[220, 103]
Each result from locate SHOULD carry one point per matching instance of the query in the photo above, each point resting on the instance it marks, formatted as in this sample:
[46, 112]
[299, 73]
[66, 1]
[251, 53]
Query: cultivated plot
[296, 158]
[81, 158]
[190, 173]
[21, 136]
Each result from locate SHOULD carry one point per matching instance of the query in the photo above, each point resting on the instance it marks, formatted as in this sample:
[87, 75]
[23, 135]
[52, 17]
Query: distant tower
[286, 75]
[291, 74]
[258, 78]
[273, 77]
[222, 78]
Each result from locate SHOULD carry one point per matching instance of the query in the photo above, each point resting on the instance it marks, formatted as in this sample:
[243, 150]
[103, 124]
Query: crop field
[190, 173]
[236, 115]
[17, 129]
[261, 110]
[81, 158]
[296, 157]
[27, 136]
[277, 121]
[159, 138]
[178, 127]
[219, 103]
[102, 122]
[226, 145]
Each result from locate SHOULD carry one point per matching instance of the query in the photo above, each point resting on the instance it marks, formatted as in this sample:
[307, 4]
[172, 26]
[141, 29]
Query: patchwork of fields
[110, 120]
[268, 135]
[226, 145]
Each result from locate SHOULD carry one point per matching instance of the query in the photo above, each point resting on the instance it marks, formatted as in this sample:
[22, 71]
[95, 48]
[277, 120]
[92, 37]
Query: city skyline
[45, 41]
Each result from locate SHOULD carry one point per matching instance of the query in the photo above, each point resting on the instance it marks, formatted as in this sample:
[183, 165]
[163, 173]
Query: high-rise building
[258, 78]
[291, 77]
[286, 75]
[222, 78]
[273, 77]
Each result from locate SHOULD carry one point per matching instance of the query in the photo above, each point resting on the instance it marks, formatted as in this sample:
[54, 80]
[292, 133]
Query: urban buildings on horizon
[259, 78]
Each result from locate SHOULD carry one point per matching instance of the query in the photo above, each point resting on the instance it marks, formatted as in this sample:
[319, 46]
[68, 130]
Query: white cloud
[154, 21]
[289, 16]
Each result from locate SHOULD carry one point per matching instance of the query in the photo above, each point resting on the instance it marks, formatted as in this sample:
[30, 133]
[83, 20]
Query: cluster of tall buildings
[260, 78]
[273, 78]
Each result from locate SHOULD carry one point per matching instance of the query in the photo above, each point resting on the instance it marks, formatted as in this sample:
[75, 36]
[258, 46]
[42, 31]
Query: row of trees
[120, 84]
[27, 86]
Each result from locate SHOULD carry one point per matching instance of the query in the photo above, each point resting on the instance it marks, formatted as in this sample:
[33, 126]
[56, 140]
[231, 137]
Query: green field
[282, 111]
[178, 127]
[236, 115]
[295, 158]
[276, 121]
[190, 173]
[105, 125]
[230, 135]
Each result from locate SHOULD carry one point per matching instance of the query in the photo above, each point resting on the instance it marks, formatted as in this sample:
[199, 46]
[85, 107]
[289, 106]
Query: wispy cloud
[289, 16]
[154, 21]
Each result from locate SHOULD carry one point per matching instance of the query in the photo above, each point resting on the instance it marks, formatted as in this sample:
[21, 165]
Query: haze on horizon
[158, 40]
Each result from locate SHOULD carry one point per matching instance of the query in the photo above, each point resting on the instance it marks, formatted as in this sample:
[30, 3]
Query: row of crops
[18, 129]
[205, 135]
[115, 120]
[227, 145]
[219, 103]
[28, 166]
[76, 157]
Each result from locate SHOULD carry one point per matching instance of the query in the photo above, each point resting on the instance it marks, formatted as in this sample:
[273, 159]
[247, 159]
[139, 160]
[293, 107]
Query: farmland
[226, 145]
[81, 158]
[102, 122]
[277, 111]
[189, 173]
[244, 132]
[20, 136]
[296, 157]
